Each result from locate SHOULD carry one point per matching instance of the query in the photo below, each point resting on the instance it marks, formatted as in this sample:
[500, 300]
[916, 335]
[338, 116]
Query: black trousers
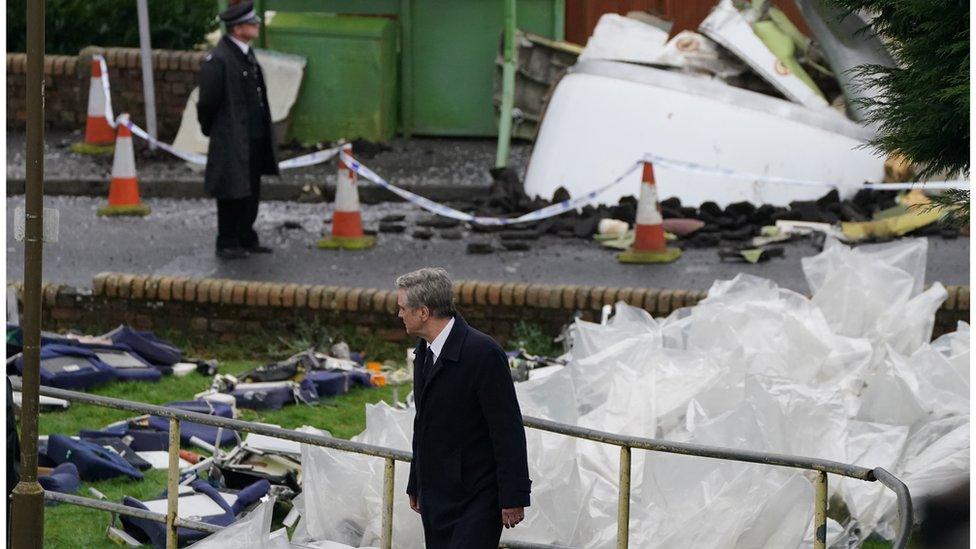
[479, 527]
[235, 218]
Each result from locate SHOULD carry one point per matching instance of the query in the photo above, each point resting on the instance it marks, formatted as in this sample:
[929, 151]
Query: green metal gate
[447, 51]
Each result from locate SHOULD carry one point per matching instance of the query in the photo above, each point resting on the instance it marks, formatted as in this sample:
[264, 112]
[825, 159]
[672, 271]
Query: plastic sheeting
[343, 492]
[254, 532]
[847, 375]
[251, 532]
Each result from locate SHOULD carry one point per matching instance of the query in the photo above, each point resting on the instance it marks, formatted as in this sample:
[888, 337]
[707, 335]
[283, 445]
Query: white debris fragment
[847, 375]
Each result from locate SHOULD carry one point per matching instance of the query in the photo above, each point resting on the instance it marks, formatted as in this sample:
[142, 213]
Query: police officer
[233, 111]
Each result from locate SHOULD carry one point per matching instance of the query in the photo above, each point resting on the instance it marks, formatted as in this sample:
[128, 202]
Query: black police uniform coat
[223, 115]
[469, 453]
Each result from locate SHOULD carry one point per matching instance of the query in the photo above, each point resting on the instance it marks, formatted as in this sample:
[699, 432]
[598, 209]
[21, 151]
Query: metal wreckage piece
[523, 364]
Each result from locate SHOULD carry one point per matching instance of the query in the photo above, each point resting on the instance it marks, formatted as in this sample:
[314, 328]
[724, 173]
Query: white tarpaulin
[847, 375]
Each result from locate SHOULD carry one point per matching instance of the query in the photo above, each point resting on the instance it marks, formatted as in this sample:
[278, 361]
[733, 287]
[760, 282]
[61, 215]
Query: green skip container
[350, 85]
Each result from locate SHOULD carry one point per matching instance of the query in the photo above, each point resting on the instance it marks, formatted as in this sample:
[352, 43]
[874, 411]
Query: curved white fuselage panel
[605, 115]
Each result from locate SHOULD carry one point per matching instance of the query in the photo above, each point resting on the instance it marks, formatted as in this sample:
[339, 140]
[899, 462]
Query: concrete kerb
[130, 296]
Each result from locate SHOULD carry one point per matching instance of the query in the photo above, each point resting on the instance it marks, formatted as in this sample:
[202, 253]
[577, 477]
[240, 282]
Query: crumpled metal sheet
[846, 44]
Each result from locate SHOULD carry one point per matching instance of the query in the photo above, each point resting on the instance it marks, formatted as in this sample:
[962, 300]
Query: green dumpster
[350, 85]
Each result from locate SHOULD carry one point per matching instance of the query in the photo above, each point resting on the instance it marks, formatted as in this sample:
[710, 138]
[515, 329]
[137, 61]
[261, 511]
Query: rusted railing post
[820, 512]
[386, 540]
[623, 500]
[173, 482]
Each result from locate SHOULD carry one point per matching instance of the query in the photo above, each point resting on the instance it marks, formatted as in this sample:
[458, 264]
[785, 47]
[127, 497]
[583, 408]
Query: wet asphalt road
[178, 239]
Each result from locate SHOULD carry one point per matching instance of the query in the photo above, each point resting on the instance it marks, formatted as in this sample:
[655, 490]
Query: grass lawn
[69, 526]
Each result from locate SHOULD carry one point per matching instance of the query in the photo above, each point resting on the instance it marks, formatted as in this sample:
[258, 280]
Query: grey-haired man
[469, 475]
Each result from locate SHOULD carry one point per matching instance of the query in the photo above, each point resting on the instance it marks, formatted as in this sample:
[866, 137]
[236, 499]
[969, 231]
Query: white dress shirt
[245, 47]
[437, 345]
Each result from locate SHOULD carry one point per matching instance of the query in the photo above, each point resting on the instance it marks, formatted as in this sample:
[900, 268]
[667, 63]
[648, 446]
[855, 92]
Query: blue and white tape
[752, 177]
[309, 159]
[105, 90]
[446, 211]
[305, 160]
[192, 158]
[553, 210]
[582, 200]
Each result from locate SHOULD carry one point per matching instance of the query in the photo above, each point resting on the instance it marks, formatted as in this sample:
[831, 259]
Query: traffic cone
[98, 131]
[347, 221]
[123, 191]
[649, 245]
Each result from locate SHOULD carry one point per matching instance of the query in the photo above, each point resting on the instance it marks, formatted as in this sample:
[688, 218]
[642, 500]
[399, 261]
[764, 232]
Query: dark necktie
[428, 364]
[256, 71]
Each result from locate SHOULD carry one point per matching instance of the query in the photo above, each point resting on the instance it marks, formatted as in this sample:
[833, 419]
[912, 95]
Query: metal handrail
[822, 466]
[227, 423]
[121, 509]
[391, 455]
[701, 450]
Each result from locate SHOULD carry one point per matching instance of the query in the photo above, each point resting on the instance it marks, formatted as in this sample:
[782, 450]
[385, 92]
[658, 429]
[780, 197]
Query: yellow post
[173, 482]
[386, 541]
[820, 512]
[623, 500]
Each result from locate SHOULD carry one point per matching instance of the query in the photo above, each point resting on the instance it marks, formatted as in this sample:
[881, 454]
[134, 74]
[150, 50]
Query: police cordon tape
[446, 211]
[309, 159]
[578, 202]
[105, 89]
[305, 160]
[702, 169]
[553, 210]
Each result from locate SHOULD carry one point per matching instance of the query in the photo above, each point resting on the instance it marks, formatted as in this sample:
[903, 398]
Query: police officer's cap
[239, 14]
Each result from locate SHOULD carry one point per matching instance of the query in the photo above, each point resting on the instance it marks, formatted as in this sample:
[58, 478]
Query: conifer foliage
[923, 107]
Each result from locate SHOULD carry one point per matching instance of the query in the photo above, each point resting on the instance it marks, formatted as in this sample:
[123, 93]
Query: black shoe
[259, 249]
[232, 253]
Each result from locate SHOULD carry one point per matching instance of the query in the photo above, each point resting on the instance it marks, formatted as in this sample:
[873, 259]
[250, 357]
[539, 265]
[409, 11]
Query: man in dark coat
[469, 475]
[233, 111]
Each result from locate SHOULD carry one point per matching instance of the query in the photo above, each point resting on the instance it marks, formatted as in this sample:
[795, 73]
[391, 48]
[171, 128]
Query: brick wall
[228, 308]
[61, 90]
[67, 79]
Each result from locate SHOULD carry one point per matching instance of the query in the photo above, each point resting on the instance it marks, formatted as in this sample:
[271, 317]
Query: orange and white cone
[98, 131]
[123, 191]
[650, 245]
[347, 220]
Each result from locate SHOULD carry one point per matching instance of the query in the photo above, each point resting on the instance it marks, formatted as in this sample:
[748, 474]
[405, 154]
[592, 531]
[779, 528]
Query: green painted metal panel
[359, 7]
[455, 44]
[350, 84]
[447, 55]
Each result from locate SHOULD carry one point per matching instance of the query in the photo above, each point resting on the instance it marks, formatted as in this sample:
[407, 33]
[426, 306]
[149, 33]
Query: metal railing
[391, 456]
[821, 466]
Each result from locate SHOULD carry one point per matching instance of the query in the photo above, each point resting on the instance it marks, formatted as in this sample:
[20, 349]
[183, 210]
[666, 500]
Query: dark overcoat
[468, 438]
[223, 115]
